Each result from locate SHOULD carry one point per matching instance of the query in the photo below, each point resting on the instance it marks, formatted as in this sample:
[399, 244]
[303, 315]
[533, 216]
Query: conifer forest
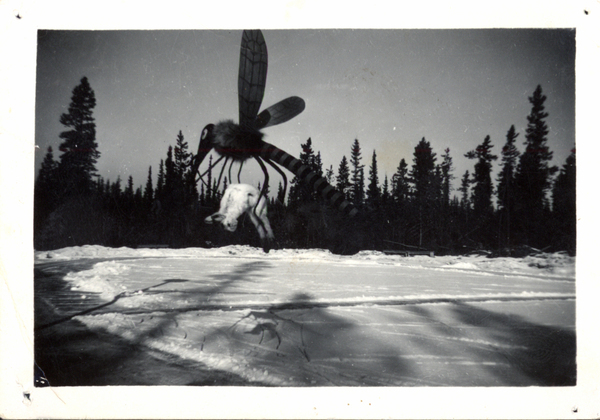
[424, 206]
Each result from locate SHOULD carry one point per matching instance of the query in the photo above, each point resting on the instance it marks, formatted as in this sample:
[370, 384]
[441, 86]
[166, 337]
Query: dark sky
[387, 88]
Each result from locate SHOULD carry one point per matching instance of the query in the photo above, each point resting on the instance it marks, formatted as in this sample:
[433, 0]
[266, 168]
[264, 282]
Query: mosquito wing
[280, 112]
[252, 75]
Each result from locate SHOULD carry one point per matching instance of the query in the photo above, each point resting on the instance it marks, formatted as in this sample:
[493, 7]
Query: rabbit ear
[214, 218]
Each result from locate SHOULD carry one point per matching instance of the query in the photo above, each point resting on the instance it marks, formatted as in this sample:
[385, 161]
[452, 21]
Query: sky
[386, 88]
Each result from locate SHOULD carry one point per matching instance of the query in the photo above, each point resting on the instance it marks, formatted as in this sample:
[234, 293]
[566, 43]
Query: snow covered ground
[311, 318]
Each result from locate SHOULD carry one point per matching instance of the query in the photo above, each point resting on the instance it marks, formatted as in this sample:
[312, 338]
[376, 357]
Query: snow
[311, 318]
[548, 265]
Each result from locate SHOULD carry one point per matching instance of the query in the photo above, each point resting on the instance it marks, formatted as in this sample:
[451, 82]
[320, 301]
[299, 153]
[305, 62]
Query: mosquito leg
[265, 185]
[240, 171]
[230, 165]
[282, 198]
[263, 194]
[211, 167]
[221, 174]
[263, 189]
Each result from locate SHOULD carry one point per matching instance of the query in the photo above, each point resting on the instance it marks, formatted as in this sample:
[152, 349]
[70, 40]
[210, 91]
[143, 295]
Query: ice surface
[309, 317]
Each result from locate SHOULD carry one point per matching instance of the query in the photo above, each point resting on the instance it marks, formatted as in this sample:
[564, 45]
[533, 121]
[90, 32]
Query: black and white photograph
[266, 210]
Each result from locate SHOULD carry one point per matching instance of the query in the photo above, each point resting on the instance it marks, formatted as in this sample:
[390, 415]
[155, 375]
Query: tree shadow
[529, 353]
[304, 343]
[67, 353]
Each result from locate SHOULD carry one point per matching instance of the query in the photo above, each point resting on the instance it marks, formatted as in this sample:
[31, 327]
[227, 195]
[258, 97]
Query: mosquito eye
[204, 133]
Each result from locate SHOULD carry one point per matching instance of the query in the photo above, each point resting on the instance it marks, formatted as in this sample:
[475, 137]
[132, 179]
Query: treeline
[530, 203]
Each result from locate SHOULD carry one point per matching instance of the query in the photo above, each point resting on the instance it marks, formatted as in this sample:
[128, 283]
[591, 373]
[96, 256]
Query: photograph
[244, 212]
[354, 244]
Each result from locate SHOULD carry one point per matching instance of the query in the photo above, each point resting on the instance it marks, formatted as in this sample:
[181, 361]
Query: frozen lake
[237, 316]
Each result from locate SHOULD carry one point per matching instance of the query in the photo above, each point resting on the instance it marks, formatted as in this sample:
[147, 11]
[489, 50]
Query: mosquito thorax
[236, 141]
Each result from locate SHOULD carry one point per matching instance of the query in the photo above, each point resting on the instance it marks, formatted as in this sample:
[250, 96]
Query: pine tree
[299, 192]
[422, 172]
[169, 193]
[329, 175]
[422, 177]
[385, 191]
[160, 182]
[373, 190]
[170, 173]
[400, 187]
[79, 148]
[181, 156]
[360, 191]
[506, 186]
[46, 189]
[484, 189]
[533, 175]
[465, 185]
[149, 191]
[343, 177]
[357, 180]
[564, 206]
[317, 164]
[129, 189]
[115, 191]
[447, 177]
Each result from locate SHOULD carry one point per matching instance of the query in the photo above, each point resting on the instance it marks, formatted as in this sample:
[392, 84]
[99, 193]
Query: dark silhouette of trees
[506, 187]
[482, 179]
[79, 149]
[46, 196]
[414, 210]
[373, 190]
[343, 177]
[533, 177]
[300, 193]
[447, 177]
[148, 190]
[357, 181]
[400, 183]
[564, 206]
[465, 188]
[422, 178]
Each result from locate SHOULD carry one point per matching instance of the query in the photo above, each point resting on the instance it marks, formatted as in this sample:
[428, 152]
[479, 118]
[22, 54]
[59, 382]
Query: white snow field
[311, 318]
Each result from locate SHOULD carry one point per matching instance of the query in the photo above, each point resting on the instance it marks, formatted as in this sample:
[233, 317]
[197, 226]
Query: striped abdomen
[317, 182]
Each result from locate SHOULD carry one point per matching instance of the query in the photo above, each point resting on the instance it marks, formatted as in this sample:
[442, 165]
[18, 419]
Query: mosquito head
[205, 146]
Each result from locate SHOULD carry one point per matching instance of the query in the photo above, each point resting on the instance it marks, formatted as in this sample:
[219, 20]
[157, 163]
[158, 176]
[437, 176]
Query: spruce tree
[447, 177]
[422, 171]
[400, 186]
[465, 185]
[506, 186]
[299, 192]
[564, 201]
[129, 189]
[373, 190]
[343, 177]
[115, 191]
[181, 156]
[149, 191]
[483, 190]
[422, 177]
[357, 180]
[329, 175]
[46, 189]
[533, 175]
[385, 191]
[79, 149]
[160, 182]
[170, 180]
